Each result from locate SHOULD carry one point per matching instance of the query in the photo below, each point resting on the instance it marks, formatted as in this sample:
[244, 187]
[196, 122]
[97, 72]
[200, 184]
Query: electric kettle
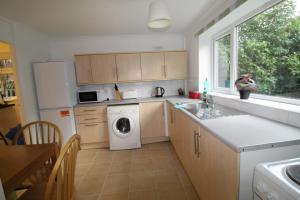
[159, 91]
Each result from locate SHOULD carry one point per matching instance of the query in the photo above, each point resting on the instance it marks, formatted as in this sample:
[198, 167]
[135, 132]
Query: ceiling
[98, 17]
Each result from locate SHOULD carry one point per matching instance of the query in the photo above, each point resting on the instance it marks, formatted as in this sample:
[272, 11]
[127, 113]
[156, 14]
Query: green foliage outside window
[269, 49]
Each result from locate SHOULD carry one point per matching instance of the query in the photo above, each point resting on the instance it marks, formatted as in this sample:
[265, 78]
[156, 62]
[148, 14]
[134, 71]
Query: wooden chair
[2, 137]
[40, 132]
[60, 185]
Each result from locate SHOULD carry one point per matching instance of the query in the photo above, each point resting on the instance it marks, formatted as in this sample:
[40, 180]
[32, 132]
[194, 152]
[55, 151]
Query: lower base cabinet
[93, 133]
[152, 122]
[91, 125]
[212, 166]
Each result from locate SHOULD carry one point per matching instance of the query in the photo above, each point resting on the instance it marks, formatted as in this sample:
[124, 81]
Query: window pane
[223, 62]
[269, 49]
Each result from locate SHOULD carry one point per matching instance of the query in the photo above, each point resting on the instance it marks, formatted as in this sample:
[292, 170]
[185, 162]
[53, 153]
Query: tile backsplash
[144, 89]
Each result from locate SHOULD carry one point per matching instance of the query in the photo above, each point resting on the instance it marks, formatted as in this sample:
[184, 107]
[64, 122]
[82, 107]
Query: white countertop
[172, 99]
[242, 132]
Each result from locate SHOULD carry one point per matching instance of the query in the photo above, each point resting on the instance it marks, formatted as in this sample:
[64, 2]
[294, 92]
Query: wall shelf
[5, 71]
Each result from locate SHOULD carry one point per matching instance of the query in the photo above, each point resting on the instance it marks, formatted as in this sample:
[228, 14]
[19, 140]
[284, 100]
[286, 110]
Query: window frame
[232, 29]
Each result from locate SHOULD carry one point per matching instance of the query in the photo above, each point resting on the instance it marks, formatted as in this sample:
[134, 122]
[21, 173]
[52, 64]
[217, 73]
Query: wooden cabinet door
[93, 132]
[226, 167]
[205, 175]
[129, 67]
[176, 65]
[153, 66]
[104, 68]
[190, 154]
[152, 119]
[218, 169]
[181, 128]
[83, 69]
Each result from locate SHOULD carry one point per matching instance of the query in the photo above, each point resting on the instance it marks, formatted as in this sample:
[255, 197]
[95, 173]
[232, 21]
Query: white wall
[144, 89]
[29, 45]
[65, 48]
[198, 70]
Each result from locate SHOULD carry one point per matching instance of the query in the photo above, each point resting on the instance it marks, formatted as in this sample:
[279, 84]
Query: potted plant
[245, 86]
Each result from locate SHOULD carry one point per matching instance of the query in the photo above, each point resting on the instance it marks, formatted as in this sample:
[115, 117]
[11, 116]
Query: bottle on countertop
[205, 90]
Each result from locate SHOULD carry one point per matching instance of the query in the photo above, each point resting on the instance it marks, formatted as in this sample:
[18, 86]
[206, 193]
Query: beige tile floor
[150, 173]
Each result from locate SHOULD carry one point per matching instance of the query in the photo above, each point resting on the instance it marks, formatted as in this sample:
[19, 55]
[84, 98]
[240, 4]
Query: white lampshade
[158, 15]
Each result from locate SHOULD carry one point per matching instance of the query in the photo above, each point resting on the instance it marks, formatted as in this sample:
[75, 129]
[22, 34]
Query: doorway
[10, 98]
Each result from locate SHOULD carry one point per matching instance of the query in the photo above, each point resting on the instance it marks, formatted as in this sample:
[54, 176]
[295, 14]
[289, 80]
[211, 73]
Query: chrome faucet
[208, 102]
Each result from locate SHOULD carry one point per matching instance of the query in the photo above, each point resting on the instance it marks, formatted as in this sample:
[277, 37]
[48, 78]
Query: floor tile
[143, 180]
[116, 184]
[120, 167]
[91, 185]
[142, 195]
[87, 197]
[177, 194]
[152, 172]
[114, 197]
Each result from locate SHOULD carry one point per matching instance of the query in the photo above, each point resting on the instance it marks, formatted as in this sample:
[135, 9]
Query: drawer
[93, 132]
[86, 110]
[94, 118]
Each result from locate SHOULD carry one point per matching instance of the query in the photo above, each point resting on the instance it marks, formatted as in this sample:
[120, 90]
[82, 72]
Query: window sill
[282, 112]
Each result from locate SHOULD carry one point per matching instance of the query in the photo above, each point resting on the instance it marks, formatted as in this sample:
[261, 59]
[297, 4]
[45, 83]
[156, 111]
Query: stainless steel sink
[204, 111]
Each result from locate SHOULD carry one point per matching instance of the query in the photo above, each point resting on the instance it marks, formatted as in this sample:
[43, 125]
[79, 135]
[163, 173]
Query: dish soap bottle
[205, 90]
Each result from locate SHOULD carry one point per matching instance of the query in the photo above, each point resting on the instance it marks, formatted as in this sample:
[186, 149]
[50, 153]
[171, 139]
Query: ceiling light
[158, 15]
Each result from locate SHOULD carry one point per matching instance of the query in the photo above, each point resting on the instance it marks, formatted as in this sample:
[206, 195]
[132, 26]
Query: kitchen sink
[210, 111]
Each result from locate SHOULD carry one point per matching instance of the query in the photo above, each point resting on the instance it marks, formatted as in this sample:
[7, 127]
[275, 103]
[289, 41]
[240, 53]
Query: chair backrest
[61, 181]
[2, 137]
[40, 132]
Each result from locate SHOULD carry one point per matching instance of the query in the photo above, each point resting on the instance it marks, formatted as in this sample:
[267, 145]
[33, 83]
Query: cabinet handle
[89, 110]
[165, 71]
[195, 142]
[198, 144]
[90, 119]
[91, 125]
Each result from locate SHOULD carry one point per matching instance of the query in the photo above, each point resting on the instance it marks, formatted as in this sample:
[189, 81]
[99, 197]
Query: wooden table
[18, 162]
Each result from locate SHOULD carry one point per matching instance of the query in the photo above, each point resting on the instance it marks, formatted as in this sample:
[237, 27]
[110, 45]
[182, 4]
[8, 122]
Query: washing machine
[124, 126]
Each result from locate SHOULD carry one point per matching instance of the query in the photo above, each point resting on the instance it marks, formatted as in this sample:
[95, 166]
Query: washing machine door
[123, 126]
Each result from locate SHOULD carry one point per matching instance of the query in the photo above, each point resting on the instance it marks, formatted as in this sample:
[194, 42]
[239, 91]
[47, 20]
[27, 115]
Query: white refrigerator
[56, 93]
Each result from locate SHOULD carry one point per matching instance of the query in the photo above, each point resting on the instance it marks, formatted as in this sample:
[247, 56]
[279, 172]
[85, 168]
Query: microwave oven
[90, 96]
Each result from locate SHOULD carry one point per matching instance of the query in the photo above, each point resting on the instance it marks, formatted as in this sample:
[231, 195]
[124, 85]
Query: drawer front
[87, 110]
[93, 132]
[94, 118]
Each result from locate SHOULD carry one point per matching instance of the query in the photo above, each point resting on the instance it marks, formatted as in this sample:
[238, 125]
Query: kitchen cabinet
[129, 67]
[153, 66]
[104, 69]
[152, 121]
[91, 123]
[190, 151]
[218, 174]
[92, 132]
[212, 166]
[83, 69]
[176, 65]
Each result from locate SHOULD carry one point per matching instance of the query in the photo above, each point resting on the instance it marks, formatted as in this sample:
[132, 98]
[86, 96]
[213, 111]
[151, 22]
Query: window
[223, 57]
[268, 47]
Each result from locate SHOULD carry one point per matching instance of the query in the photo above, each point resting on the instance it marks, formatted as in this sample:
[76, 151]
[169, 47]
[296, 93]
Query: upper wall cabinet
[83, 69]
[153, 66]
[103, 68]
[129, 67]
[176, 65]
